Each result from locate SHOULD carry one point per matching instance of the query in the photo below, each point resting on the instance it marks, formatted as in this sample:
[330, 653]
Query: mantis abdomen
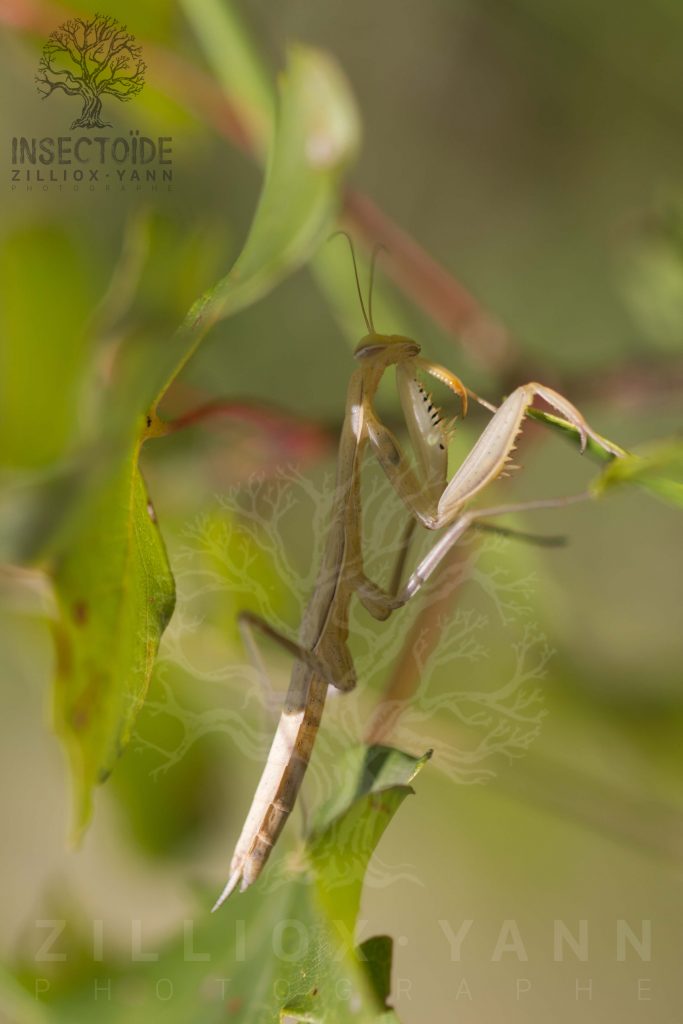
[281, 780]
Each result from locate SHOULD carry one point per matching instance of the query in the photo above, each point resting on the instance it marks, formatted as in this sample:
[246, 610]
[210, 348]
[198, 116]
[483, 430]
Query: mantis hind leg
[331, 661]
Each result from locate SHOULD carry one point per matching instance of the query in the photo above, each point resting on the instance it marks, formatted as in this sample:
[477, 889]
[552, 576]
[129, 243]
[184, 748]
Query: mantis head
[429, 432]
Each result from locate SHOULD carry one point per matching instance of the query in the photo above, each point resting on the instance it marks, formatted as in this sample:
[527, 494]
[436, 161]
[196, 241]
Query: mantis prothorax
[322, 657]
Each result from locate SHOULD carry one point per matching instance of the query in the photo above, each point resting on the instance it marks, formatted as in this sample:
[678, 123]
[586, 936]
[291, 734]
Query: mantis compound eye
[389, 348]
[367, 348]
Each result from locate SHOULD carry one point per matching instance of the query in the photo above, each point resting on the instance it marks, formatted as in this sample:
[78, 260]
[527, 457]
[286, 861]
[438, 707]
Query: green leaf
[657, 468]
[364, 771]
[115, 595]
[374, 782]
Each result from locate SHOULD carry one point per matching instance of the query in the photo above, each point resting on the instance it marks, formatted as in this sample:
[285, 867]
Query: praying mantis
[321, 653]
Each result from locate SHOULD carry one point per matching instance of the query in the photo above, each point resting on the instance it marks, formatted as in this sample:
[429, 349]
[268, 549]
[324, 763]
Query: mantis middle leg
[381, 603]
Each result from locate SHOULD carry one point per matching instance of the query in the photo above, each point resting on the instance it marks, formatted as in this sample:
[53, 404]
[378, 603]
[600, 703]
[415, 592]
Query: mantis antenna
[368, 320]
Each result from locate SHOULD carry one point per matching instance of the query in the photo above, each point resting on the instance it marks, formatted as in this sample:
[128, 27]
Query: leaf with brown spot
[115, 594]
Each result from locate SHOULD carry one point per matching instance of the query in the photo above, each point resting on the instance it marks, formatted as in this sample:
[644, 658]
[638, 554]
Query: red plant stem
[294, 436]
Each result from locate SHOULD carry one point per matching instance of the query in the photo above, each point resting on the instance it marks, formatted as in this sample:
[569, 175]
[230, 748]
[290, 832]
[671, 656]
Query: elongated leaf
[316, 136]
[332, 978]
[116, 594]
[236, 64]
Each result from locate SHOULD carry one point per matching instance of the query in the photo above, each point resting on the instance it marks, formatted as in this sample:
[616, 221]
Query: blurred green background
[534, 150]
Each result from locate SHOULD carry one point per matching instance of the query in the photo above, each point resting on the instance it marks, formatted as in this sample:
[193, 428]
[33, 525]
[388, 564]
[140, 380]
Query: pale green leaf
[236, 64]
[657, 468]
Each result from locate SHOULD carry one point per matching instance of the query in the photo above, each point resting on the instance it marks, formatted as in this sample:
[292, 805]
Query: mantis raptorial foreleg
[488, 457]
[484, 463]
